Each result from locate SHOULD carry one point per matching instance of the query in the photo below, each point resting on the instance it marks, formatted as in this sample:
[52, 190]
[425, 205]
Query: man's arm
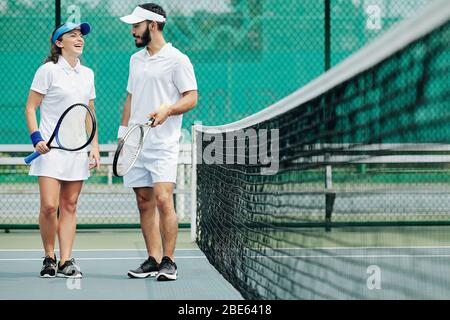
[126, 111]
[125, 117]
[187, 102]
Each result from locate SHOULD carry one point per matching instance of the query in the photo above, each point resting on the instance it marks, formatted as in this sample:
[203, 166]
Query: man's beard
[146, 38]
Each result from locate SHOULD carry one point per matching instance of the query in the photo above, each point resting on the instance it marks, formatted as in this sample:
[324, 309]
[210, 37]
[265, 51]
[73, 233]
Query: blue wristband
[36, 138]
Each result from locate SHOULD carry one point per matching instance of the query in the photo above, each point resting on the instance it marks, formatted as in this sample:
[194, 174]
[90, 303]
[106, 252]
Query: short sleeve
[130, 78]
[92, 91]
[42, 79]
[184, 76]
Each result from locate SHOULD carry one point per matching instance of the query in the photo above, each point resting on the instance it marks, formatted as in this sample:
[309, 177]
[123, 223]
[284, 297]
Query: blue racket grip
[31, 157]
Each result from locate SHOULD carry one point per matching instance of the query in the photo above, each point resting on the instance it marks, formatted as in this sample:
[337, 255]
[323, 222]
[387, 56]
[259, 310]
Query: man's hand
[160, 115]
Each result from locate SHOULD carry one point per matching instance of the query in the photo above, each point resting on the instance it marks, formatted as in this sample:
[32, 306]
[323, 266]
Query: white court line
[396, 247]
[350, 248]
[265, 257]
[358, 248]
[86, 250]
[256, 249]
[113, 258]
[366, 256]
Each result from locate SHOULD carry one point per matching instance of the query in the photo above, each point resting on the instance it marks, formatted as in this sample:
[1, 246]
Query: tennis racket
[130, 147]
[74, 130]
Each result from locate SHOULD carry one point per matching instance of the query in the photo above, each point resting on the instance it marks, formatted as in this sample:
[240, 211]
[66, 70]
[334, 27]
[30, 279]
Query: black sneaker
[149, 268]
[49, 267]
[167, 270]
[69, 270]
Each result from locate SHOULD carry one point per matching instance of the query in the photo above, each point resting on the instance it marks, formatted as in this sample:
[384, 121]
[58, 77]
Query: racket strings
[130, 150]
[76, 128]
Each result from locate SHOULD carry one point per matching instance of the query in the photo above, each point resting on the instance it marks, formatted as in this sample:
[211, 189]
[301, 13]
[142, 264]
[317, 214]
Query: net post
[329, 195]
[57, 13]
[327, 35]
[194, 183]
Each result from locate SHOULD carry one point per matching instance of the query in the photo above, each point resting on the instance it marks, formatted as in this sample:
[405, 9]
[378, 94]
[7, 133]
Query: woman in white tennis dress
[60, 82]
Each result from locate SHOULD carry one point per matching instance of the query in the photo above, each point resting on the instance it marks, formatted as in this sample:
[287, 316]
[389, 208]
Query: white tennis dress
[62, 86]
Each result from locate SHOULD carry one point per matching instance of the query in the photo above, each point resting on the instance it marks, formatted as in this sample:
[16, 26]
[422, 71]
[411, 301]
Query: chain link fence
[247, 55]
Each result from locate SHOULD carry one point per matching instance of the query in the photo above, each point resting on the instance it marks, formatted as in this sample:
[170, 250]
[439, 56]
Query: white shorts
[152, 166]
[62, 165]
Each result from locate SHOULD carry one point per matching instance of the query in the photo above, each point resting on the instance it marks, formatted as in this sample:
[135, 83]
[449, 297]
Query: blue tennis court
[105, 257]
[316, 165]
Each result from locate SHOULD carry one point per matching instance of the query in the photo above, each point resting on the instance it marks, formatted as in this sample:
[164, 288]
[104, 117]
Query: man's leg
[168, 218]
[169, 230]
[149, 219]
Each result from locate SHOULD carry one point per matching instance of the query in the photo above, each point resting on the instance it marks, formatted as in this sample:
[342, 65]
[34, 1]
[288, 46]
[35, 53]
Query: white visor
[140, 14]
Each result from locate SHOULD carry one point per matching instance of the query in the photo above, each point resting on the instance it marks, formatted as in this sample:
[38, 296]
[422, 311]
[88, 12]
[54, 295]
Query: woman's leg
[48, 220]
[70, 190]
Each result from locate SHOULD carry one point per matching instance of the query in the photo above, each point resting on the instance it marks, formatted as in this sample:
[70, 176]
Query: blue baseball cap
[84, 27]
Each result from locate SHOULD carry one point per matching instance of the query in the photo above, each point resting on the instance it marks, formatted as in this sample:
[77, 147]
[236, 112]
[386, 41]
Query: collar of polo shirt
[161, 53]
[140, 14]
[67, 67]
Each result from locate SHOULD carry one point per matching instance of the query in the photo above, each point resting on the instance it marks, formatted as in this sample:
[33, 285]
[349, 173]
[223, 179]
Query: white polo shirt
[154, 80]
[62, 86]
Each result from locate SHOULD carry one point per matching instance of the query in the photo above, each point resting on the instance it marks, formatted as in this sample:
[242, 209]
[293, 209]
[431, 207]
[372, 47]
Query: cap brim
[84, 27]
[131, 19]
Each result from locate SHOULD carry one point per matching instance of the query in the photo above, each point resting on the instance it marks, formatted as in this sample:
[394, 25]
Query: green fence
[247, 54]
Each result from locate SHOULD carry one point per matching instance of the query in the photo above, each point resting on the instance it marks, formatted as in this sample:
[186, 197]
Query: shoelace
[144, 263]
[149, 261]
[71, 264]
[165, 263]
[74, 265]
[48, 260]
[72, 268]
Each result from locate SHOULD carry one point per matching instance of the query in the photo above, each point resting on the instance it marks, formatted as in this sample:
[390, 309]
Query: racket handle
[31, 157]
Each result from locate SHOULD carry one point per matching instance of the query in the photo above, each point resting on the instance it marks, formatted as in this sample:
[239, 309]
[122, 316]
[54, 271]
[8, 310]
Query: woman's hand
[41, 147]
[94, 158]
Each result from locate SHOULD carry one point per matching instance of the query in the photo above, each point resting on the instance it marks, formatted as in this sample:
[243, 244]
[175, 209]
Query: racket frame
[145, 128]
[36, 154]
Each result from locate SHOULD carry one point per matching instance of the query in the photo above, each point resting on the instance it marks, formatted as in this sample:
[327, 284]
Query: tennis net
[366, 143]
